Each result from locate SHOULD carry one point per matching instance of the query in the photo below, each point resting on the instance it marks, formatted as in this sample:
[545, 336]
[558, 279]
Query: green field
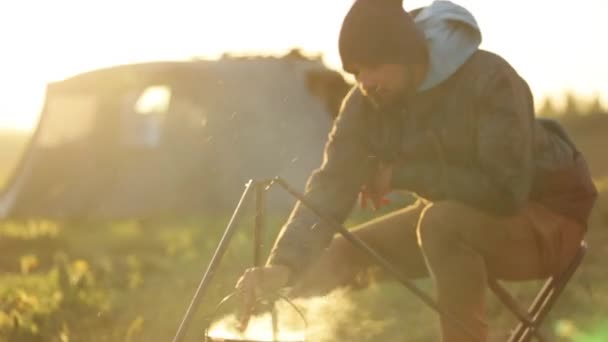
[133, 280]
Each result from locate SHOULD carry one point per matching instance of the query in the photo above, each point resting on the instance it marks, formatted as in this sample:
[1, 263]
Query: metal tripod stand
[260, 188]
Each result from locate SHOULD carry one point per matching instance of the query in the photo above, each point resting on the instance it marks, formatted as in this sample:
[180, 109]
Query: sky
[556, 45]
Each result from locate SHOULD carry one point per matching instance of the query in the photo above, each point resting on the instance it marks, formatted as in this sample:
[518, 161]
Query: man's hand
[256, 282]
[378, 187]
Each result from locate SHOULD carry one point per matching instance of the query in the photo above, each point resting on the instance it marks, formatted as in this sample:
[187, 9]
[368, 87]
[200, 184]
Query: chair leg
[524, 317]
[530, 320]
[547, 297]
[541, 298]
[555, 290]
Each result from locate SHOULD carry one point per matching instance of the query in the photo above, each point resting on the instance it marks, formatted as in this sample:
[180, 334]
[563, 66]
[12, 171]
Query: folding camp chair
[531, 319]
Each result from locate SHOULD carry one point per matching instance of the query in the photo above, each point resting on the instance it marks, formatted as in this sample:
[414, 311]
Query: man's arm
[501, 180]
[333, 188]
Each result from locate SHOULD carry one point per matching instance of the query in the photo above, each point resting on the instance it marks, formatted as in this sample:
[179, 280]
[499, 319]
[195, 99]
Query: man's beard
[385, 100]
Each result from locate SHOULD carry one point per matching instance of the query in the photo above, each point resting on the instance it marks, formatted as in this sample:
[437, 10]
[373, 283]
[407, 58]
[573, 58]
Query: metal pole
[377, 258]
[274, 316]
[260, 212]
[260, 221]
[215, 260]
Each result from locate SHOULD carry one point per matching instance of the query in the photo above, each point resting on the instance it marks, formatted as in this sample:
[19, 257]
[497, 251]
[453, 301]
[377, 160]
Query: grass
[132, 281]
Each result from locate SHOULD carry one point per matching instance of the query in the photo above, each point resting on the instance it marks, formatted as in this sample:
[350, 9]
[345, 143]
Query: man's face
[386, 84]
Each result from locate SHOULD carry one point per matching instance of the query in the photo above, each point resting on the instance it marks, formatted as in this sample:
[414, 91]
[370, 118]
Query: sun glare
[61, 38]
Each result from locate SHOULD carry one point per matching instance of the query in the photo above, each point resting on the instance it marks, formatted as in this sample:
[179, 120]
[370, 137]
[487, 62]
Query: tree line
[571, 105]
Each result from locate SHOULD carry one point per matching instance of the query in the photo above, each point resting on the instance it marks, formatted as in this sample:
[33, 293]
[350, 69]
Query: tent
[174, 137]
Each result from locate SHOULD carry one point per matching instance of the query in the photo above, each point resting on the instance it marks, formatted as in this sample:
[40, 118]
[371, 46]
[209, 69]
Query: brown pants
[460, 247]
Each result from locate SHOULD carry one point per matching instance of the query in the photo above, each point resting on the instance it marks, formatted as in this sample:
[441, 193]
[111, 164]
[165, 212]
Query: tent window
[154, 100]
[144, 121]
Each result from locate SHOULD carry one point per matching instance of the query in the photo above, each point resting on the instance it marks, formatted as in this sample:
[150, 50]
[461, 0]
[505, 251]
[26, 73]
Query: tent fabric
[168, 138]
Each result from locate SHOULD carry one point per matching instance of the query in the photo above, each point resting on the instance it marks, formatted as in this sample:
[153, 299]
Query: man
[502, 194]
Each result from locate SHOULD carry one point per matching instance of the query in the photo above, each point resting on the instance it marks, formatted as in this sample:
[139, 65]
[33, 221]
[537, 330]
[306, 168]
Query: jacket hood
[452, 35]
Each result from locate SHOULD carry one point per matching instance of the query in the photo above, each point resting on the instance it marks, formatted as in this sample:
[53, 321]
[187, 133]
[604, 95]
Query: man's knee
[440, 224]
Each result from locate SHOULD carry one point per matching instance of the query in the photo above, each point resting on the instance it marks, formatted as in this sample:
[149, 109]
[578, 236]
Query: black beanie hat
[380, 31]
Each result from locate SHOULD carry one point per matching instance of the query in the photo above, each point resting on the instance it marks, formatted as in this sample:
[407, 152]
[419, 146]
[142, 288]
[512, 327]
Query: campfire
[260, 329]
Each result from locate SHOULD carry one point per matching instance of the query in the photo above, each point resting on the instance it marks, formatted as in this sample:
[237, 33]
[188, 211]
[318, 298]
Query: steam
[259, 329]
[334, 317]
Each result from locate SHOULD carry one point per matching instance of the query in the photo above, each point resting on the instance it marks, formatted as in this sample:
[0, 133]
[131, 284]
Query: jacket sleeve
[500, 181]
[333, 188]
